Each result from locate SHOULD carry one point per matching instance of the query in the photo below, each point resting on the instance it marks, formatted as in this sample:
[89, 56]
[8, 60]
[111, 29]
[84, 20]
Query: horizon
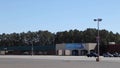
[57, 31]
[54, 16]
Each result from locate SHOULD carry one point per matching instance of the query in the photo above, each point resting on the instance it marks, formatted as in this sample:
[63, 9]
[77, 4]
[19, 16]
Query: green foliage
[48, 38]
[29, 38]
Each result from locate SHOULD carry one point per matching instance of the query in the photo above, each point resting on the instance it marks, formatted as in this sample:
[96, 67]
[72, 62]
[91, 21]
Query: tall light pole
[32, 48]
[5, 50]
[98, 38]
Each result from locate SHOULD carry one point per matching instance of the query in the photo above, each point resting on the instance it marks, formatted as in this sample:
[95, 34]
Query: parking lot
[57, 62]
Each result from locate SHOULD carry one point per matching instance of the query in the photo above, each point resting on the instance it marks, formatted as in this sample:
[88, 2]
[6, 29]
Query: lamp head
[95, 19]
[99, 19]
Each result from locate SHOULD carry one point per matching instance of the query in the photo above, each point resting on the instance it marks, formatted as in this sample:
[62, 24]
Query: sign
[73, 46]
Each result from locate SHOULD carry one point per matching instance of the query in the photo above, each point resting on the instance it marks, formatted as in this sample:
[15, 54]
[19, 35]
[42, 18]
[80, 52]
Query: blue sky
[58, 15]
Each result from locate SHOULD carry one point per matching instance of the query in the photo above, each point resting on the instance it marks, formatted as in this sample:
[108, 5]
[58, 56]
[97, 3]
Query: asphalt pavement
[57, 62]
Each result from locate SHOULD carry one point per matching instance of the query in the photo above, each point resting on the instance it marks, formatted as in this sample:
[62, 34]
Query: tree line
[48, 38]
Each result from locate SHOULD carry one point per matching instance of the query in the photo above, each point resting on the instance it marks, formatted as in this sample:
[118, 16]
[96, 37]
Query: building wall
[68, 52]
[2, 52]
[74, 48]
[60, 46]
[90, 46]
[113, 48]
[60, 49]
[60, 52]
[22, 50]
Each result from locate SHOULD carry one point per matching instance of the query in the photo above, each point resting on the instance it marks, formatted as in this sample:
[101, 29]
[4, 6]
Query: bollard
[97, 59]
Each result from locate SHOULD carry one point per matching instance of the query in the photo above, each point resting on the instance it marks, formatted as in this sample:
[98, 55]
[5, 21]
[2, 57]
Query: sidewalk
[85, 58]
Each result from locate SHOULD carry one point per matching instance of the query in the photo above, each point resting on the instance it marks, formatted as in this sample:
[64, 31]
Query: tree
[48, 38]
[89, 35]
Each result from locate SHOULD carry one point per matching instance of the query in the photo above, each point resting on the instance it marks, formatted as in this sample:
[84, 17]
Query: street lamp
[32, 53]
[98, 38]
[5, 50]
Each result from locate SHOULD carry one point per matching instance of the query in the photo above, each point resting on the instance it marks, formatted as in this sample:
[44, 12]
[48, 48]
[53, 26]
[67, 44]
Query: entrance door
[84, 52]
[75, 52]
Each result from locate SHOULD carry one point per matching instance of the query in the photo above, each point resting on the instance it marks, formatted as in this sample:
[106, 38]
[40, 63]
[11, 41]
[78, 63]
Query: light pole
[5, 50]
[98, 38]
[32, 49]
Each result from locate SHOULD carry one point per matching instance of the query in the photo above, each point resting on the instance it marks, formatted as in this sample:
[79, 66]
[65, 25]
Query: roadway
[11, 61]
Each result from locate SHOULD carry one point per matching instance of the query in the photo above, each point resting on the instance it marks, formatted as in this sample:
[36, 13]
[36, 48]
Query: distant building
[113, 48]
[111, 43]
[68, 49]
[74, 48]
[27, 50]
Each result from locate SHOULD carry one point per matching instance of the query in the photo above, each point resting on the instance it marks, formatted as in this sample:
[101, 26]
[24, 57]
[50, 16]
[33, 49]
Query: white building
[74, 48]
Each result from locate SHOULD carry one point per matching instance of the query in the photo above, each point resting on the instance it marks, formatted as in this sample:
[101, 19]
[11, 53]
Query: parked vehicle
[92, 54]
[116, 54]
[107, 54]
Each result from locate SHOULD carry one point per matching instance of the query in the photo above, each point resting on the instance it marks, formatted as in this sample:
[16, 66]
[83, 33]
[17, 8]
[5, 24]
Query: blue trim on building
[74, 46]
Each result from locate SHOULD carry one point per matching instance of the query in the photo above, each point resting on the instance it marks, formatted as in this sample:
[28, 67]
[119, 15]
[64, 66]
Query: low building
[74, 48]
[113, 48]
[27, 50]
[58, 49]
